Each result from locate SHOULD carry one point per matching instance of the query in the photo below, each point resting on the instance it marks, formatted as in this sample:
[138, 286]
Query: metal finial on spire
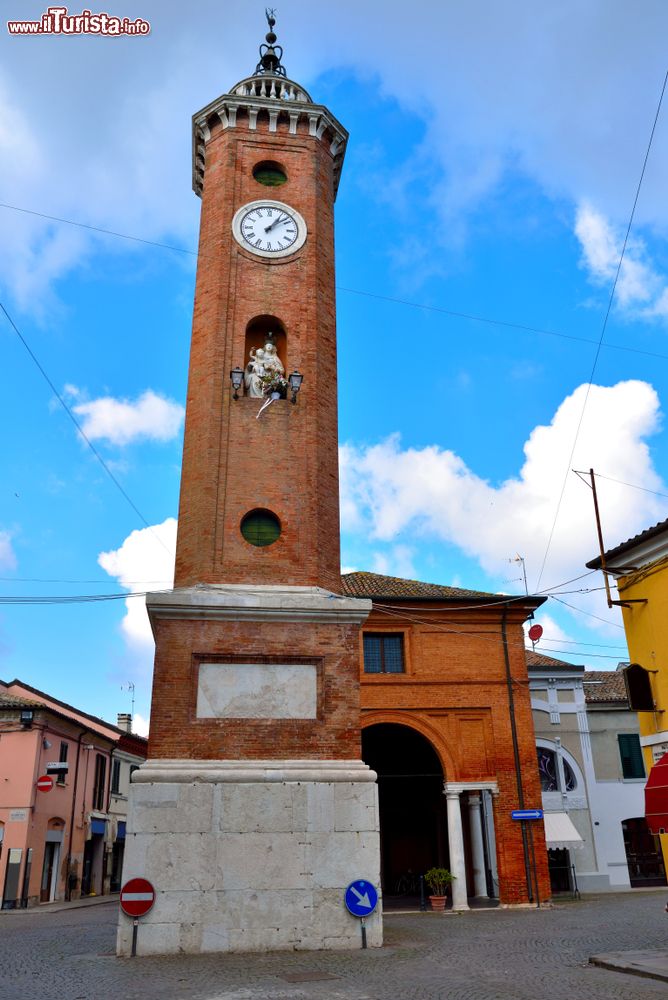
[270, 54]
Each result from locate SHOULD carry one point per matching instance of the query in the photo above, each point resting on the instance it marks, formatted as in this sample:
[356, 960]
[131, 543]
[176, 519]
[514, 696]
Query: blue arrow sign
[527, 814]
[361, 898]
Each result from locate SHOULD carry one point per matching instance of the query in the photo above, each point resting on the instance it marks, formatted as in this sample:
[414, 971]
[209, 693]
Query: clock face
[269, 228]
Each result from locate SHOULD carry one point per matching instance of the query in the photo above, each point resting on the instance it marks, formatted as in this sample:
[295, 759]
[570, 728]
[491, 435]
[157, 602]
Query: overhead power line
[603, 327]
[454, 313]
[80, 429]
[633, 486]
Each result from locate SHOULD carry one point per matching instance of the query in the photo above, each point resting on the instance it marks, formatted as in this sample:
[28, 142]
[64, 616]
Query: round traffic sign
[137, 897]
[535, 632]
[45, 783]
[360, 898]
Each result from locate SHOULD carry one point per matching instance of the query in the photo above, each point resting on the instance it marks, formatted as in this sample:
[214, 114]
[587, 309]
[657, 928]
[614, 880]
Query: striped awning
[656, 797]
[560, 832]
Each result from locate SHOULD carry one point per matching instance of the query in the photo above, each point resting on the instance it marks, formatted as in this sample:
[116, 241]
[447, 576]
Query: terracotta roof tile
[15, 701]
[604, 685]
[362, 584]
[539, 660]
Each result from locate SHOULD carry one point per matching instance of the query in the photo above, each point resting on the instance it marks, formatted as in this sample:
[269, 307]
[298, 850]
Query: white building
[592, 779]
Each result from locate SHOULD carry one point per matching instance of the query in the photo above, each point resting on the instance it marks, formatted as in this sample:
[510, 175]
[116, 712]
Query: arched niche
[257, 333]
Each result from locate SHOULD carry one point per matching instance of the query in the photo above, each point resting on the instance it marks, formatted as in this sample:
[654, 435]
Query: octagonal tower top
[271, 96]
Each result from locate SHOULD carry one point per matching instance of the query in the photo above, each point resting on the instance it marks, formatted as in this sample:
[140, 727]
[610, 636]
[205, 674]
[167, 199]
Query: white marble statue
[271, 360]
[255, 369]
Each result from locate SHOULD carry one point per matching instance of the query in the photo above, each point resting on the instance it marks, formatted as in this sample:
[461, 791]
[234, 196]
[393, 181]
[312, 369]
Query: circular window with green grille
[269, 173]
[260, 527]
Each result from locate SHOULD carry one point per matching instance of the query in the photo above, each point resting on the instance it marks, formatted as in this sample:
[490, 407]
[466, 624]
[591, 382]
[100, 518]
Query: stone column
[456, 843]
[477, 846]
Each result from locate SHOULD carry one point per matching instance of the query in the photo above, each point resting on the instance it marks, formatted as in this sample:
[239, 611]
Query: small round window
[270, 174]
[260, 527]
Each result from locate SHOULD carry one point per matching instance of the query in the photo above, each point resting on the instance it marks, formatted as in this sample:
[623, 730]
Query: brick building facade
[456, 674]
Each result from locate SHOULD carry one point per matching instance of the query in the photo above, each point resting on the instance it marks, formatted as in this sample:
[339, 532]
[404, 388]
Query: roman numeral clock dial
[269, 228]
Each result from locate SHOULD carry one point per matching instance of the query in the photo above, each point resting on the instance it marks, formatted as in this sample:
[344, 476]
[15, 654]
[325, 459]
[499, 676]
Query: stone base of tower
[251, 855]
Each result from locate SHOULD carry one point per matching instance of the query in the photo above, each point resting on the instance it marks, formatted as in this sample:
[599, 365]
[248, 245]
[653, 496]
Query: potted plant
[438, 880]
[274, 384]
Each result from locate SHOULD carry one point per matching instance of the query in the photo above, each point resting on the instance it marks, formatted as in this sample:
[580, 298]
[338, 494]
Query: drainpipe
[68, 891]
[516, 752]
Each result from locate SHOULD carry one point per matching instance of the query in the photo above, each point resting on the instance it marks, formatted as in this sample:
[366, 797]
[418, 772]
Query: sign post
[525, 815]
[137, 898]
[361, 898]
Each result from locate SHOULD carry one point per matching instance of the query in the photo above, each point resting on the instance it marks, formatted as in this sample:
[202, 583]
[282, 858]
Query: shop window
[631, 755]
[383, 653]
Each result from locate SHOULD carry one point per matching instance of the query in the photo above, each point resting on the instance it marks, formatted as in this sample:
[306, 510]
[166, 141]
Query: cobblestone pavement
[484, 955]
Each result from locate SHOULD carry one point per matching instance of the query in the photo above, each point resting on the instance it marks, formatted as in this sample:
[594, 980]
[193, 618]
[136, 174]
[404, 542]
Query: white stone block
[320, 806]
[261, 861]
[336, 859]
[185, 808]
[182, 861]
[355, 807]
[278, 808]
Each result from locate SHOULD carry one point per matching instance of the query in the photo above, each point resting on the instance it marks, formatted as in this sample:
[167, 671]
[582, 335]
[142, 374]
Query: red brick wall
[287, 460]
[454, 692]
[182, 645]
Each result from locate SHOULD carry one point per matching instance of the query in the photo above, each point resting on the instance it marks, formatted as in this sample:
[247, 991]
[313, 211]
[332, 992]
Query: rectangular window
[631, 755]
[116, 776]
[98, 787]
[383, 653]
[64, 747]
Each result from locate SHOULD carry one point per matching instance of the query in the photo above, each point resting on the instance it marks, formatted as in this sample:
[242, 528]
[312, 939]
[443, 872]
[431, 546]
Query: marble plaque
[257, 691]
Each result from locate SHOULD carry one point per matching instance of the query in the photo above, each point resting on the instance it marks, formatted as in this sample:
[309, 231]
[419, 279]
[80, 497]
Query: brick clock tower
[254, 811]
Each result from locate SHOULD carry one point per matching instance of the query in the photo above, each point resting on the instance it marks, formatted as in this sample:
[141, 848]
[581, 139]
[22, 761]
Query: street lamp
[237, 378]
[295, 380]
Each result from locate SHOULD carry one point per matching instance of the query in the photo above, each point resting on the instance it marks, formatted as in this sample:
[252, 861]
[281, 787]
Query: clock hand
[281, 218]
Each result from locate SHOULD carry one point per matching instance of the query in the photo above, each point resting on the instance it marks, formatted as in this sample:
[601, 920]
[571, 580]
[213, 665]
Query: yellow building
[640, 569]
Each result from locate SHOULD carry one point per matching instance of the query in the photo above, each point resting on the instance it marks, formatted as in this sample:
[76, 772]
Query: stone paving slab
[650, 964]
[485, 955]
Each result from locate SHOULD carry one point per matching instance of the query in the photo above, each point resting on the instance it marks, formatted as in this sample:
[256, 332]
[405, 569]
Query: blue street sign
[527, 814]
[361, 898]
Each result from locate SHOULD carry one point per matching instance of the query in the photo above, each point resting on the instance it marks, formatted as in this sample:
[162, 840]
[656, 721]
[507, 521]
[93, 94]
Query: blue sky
[494, 157]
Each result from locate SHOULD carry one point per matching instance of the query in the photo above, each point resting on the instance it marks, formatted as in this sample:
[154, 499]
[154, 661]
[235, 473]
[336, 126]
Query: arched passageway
[413, 824]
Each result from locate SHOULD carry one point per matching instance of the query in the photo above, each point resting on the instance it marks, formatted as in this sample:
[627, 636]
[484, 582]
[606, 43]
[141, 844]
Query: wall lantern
[27, 715]
[237, 378]
[295, 380]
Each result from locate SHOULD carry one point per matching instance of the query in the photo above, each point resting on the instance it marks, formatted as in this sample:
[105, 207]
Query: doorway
[49, 883]
[413, 824]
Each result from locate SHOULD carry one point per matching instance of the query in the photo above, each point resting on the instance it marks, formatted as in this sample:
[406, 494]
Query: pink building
[67, 841]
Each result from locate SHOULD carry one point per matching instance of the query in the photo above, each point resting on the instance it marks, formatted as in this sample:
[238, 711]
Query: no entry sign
[45, 783]
[137, 897]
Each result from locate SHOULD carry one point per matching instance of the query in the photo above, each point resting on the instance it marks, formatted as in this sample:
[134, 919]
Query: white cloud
[394, 494]
[640, 288]
[145, 561]
[120, 421]
[487, 80]
[7, 555]
[140, 725]
[397, 561]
